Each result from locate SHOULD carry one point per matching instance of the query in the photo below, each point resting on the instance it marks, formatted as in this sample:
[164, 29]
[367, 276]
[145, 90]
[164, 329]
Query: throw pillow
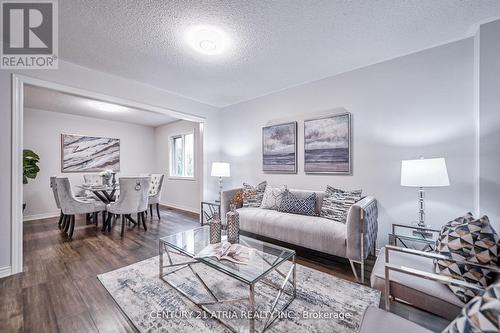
[468, 239]
[481, 314]
[290, 203]
[252, 195]
[272, 197]
[336, 203]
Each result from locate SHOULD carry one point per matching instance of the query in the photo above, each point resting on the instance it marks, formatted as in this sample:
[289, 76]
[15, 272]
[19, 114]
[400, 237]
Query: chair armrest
[225, 200]
[433, 255]
[362, 228]
[449, 280]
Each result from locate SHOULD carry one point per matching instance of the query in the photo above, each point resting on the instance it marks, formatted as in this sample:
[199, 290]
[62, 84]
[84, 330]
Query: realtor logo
[29, 34]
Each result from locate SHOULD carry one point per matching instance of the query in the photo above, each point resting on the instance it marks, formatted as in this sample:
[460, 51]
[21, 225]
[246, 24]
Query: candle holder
[233, 226]
[215, 229]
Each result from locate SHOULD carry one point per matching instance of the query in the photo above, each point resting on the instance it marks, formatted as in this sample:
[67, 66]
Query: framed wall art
[81, 153]
[279, 148]
[327, 144]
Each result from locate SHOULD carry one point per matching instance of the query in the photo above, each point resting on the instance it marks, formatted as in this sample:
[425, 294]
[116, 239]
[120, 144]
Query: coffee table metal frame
[288, 278]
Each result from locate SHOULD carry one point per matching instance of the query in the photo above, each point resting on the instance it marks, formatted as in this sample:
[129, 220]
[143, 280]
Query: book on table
[224, 250]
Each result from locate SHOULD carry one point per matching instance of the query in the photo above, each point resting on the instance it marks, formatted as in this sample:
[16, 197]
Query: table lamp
[220, 169]
[423, 173]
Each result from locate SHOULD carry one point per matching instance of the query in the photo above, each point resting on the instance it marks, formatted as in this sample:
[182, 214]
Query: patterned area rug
[323, 303]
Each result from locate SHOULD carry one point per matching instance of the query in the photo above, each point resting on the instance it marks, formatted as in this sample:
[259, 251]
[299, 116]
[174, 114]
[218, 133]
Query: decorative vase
[215, 229]
[113, 179]
[233, 227]
[232, 207]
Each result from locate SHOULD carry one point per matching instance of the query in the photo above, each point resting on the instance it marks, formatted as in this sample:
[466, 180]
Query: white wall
[84, 78]
[42, 134]
[178, 193]
[489, 121]
[420, 104]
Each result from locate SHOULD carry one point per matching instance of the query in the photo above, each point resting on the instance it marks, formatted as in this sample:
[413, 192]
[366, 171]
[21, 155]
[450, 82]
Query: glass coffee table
[267, 258]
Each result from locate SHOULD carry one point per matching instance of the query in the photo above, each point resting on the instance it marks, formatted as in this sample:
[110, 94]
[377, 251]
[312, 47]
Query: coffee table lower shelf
[288, 278]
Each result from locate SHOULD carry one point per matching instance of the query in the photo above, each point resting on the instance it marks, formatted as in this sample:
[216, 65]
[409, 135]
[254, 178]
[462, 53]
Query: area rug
[323, 303]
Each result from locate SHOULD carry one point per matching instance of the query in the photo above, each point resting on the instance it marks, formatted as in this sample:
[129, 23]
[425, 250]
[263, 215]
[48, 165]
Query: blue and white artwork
[279, 148]
[327, 144]
[89, 153]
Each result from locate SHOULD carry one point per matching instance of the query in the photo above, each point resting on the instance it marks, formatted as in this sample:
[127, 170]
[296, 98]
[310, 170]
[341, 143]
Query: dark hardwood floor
[59, 292]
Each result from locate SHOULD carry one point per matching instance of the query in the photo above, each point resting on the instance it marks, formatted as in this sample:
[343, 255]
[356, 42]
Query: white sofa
[351, 240]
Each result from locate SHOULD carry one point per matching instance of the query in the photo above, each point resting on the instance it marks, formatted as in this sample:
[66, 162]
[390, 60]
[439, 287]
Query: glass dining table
[105, 193]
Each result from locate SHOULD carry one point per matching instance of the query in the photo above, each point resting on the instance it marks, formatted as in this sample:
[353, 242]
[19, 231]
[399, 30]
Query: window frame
[172, 156]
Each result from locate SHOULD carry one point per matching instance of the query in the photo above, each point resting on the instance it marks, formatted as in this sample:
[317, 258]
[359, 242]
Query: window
[182, 156]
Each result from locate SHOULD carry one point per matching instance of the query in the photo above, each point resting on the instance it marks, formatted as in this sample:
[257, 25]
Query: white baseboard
[41, 216]
[5, 271]
[181, 207]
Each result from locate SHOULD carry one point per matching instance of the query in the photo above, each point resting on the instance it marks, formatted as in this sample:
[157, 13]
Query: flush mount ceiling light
[106, 107]
[207, 39]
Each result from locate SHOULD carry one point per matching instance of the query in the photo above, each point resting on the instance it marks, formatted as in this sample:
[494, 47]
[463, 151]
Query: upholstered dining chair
[53, 186]
[155, 193]
[92, 179]
[71, 206]
[133, 200]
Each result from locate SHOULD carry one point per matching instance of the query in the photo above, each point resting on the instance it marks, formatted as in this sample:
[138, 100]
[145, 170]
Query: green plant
[30, 167]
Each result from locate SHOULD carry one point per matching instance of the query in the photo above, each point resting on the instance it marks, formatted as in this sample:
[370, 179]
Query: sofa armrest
[225, 200]
[362, 228]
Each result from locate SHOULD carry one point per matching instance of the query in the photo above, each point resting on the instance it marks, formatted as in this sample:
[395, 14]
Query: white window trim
[171, 156]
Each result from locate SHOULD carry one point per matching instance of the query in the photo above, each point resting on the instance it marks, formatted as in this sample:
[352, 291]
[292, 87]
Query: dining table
[105, 193]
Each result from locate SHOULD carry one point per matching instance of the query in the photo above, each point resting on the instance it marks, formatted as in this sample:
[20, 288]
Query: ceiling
[51, 100]
[275, 44]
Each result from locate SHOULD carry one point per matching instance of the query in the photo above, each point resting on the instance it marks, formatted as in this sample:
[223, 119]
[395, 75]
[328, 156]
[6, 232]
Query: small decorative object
[232, 207]
[422, 173]
[80, 153]
[237, 200]
[106, 177]
[220, 169]
[215, 229]
[327, 145]
[233, 226]
[113, 179]
[279, 148]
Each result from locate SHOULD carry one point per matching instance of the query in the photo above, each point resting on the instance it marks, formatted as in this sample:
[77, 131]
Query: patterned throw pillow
[272, 197]
[336, 203]
[481, 314]
[468, 239]
[294, 205]
[252, 195]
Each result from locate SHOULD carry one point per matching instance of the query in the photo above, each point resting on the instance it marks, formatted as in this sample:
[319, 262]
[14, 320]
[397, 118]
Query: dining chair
[92, 179]
[155, 194]
[133, 200]
[53, 186]
[71, 206]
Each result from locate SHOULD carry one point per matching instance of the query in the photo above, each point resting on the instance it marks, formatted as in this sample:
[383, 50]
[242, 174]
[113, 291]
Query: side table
[413, 237]
[208, 211]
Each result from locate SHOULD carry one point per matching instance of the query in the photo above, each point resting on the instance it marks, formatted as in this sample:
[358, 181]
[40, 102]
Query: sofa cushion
[469, 239]
[481, 314]
[291, 203]
[376, 320]
[336, 203]
[425, 294]
[252, 195]
[311, 232]
[272, 197]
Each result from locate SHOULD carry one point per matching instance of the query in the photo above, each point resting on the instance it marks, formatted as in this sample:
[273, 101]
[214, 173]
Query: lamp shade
[220, 169]
[429, 172]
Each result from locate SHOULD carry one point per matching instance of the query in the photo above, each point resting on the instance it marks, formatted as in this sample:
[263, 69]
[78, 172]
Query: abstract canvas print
[89, 153]
[279, 148]
[327, 144]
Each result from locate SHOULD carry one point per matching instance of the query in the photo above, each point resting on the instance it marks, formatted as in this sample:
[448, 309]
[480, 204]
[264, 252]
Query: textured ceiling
[50, 100]
[276, 44]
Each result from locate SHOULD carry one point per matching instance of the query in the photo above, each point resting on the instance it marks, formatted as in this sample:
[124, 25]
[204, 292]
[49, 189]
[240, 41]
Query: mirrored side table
[413, 237]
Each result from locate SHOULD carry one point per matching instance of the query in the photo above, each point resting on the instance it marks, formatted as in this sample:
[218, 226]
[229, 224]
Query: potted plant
[30, 167]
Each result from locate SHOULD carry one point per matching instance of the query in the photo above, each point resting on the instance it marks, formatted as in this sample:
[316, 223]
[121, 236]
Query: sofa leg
[359, 279]
[354, 270]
